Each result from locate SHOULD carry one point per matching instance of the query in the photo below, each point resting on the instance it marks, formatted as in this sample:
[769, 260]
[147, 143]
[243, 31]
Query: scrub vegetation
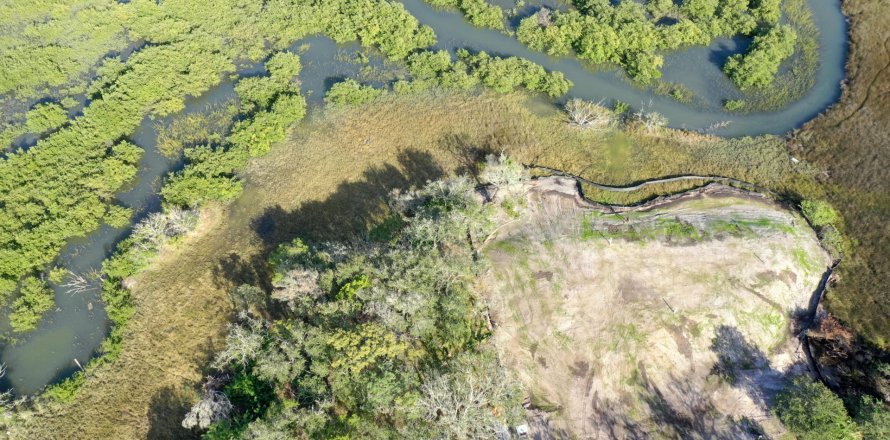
[376, 340]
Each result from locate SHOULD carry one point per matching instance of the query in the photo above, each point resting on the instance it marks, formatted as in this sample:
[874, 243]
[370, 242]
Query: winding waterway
[75, 329]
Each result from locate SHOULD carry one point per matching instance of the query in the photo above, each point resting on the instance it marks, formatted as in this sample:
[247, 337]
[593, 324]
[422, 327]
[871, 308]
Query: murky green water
[77, 326]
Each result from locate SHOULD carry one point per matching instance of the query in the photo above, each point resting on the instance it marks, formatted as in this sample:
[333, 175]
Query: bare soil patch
[651, 334]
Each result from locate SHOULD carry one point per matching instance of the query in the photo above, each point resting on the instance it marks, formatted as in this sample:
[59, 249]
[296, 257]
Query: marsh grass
[850, 141]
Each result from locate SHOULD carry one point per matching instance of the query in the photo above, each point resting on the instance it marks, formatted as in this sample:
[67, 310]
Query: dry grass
[328, 182]
[851, 141]
[615, 337]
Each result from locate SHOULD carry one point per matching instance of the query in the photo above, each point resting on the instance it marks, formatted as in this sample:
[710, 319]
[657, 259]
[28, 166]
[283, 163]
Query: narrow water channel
[75, 329]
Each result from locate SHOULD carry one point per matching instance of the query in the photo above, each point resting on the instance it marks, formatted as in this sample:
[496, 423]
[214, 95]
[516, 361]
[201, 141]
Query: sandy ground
[616, 337]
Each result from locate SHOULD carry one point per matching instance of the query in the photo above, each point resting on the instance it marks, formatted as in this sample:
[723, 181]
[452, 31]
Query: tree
[811, 411]
[873, 418]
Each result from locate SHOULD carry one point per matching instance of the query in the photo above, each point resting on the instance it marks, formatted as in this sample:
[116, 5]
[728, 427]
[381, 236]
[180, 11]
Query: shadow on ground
[165, 413]
[346, 215]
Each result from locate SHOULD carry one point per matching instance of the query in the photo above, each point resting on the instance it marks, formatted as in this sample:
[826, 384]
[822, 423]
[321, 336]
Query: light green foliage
[502, 75]
[819, 212]
[272, 103]
[810, 410]
[767, 11]
[478, 12]
[35, 299]
[734, 105]
[627, 32]
[148, 236]
[482, 14]
[66, 390]
[45, 117]
[506, 74]
[377, 342]
[57, 275]
[62, 187]
[193, 129]
[54, 43]
[351, 92]
[759, 65]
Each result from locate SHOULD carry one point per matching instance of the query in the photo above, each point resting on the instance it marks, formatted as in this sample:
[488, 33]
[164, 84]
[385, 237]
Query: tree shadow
[347, 215]
[681, 408]
[165, 413]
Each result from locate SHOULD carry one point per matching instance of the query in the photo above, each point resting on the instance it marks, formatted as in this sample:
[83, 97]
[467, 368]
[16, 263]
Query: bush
[351, 92]
[819, 212]
[759, 65]
[35, 299]
[66, 390]
[733, 105]
[45, 117]
[811, 411]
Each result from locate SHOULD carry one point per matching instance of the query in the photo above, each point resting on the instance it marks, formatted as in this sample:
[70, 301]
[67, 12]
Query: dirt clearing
[672, 318]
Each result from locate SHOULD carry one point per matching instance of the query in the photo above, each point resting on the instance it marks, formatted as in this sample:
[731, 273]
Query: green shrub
[733, 105]
[873, 418]
[819, 212]
[45, 117]
[811, 411]
[66, 390]
[351, 92]
[35, 299]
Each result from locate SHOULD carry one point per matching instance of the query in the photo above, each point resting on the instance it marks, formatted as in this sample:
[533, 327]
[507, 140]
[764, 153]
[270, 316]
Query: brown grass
[851, 141]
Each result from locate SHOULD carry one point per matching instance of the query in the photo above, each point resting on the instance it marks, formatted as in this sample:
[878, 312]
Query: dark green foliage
[873, 418]
[351, 92]
[811, 411]
[759, 65]
[374, 341]
[250, 394]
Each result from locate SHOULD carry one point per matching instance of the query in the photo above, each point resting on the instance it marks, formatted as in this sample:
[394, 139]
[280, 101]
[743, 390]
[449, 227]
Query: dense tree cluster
[632, 34]
[381, 340]
[811, 411]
